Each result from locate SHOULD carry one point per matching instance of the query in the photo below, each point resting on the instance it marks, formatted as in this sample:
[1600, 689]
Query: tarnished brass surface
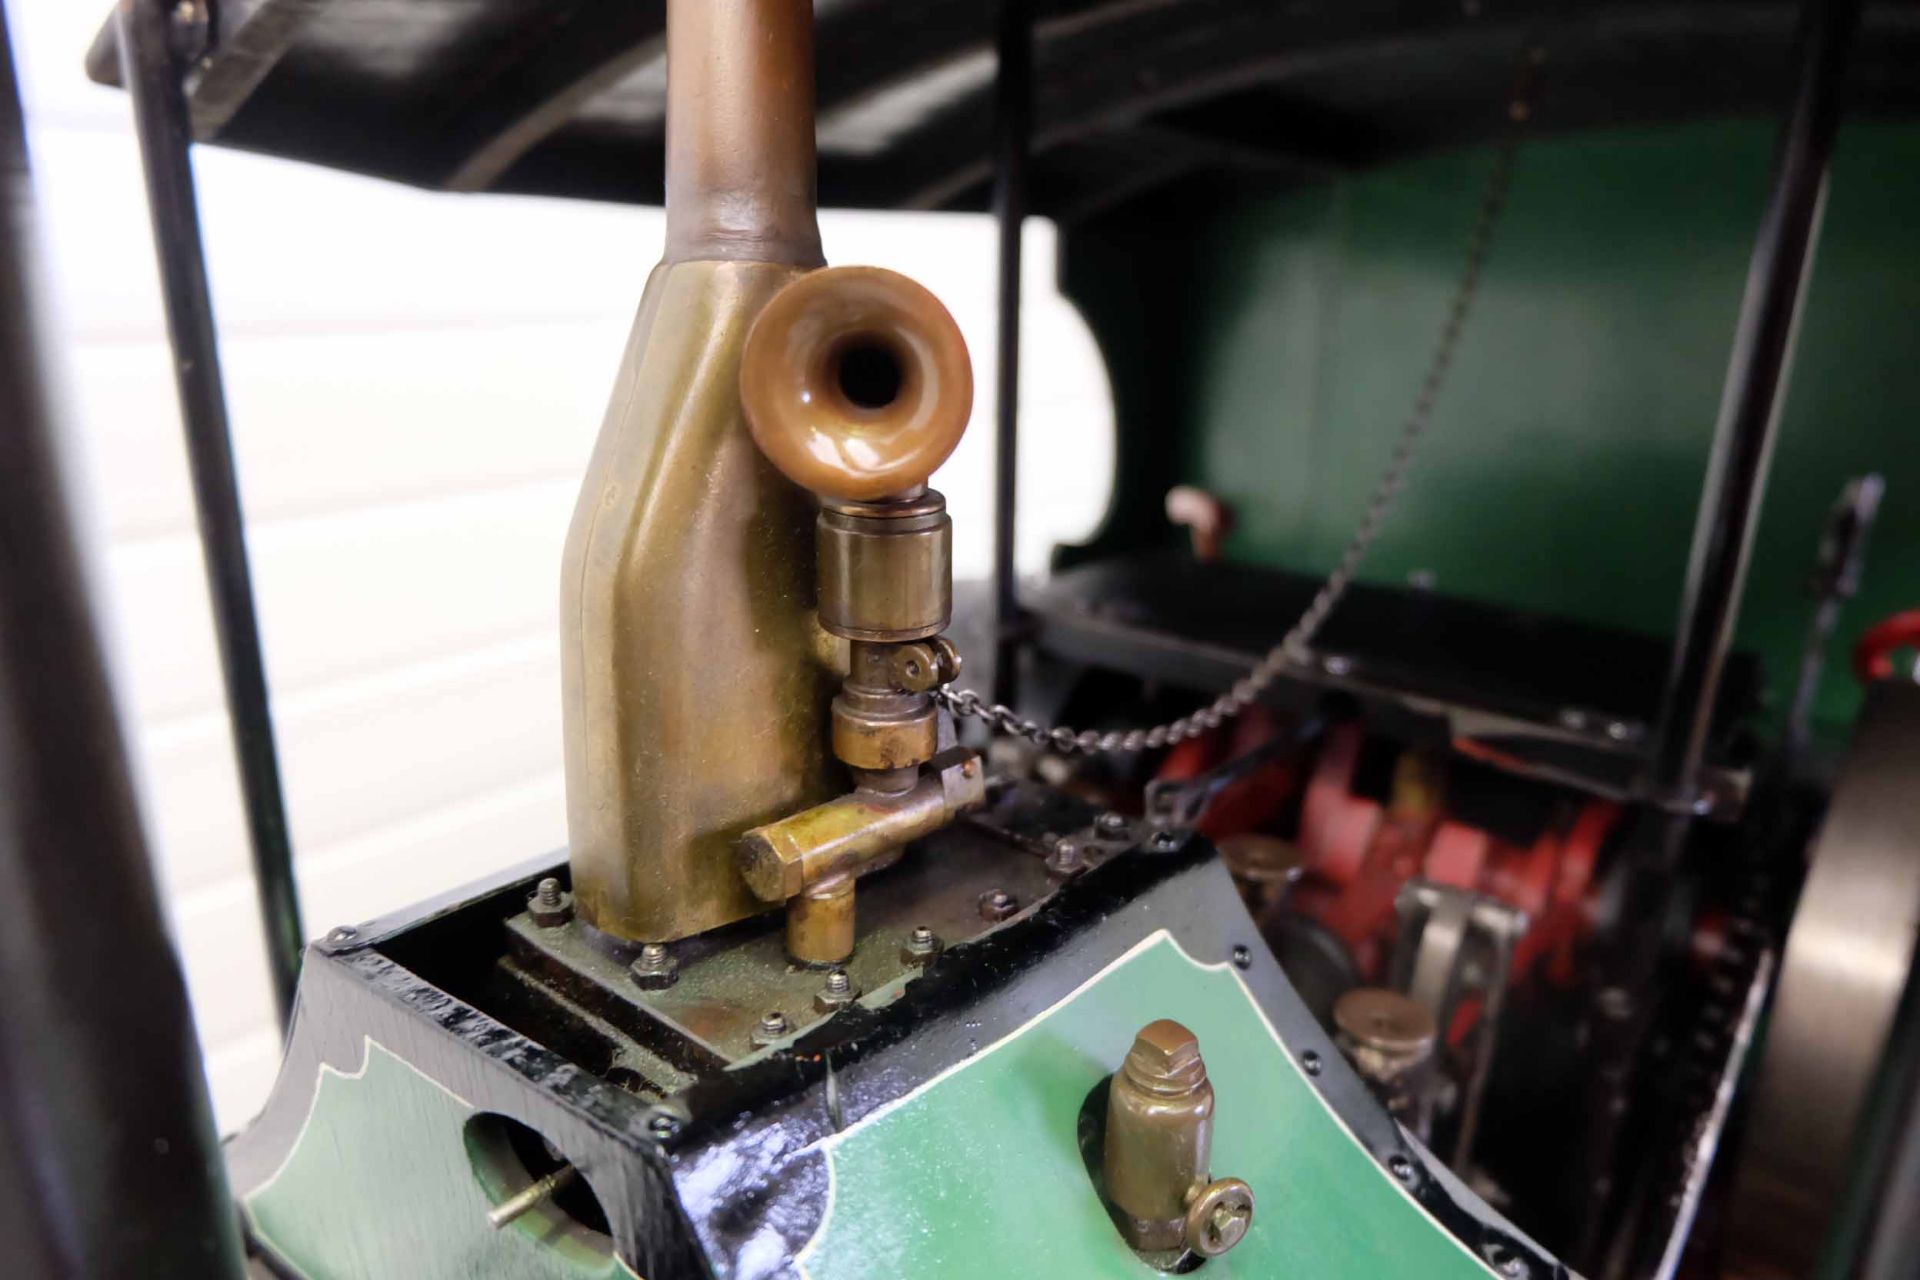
[1383, 1031]
[740, 132]
[878, 726]
[857, 383]
[820, 923]
[886, 568]
[695, 706]
[849, 833]
[728, 979]
[1390, 1037]
[1159, 1135]
[1219, 1217]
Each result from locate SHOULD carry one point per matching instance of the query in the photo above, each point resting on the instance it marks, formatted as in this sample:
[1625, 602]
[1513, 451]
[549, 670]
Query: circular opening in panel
[508, 1157]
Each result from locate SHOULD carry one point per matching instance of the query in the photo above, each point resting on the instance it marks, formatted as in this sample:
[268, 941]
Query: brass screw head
[1219, 1217]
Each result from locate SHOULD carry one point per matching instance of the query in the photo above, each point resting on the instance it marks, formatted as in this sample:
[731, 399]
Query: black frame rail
[157, 42]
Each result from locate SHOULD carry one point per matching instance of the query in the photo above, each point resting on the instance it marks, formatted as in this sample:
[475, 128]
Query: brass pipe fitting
[1159, 1143]
[691, 703]
[886, 568]
[811, 859]
[740, 132]
[856, 384]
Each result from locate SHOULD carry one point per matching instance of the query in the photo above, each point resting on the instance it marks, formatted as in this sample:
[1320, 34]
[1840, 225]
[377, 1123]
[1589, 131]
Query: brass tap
[856, 384]
[1159, 1144]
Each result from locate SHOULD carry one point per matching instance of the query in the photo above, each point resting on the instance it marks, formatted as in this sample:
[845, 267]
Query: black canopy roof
[566, 97]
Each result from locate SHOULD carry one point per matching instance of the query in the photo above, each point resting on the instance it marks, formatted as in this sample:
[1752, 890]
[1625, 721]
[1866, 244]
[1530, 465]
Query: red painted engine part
[1357, 853]
[1873, 656]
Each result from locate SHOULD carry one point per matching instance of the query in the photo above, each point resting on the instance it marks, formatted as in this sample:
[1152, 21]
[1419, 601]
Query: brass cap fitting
[1159, 1135]
[856, 383]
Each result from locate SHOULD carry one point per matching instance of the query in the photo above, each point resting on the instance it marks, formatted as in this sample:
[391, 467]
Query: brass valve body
[810, 860]
[1159, 1143]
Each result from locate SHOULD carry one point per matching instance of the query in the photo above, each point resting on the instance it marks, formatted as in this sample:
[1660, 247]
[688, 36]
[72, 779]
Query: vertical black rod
[1750, 405]
[152, 71]
[108, 1165]
[1012, 129]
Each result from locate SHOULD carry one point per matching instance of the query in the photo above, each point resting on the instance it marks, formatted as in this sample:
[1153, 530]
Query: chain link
[1292, 650]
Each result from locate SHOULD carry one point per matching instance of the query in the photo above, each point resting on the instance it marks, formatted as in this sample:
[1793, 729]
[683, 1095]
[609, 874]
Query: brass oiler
[857, 385]
[1158, 1148]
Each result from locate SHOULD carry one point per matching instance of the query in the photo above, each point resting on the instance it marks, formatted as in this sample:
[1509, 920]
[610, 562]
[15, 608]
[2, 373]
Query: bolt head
[773, 1026]
[656, 969]
[1219, 1217]
[1165, 841]
[1111, 824]
[1067, 857]
[922, 947]
[997, 905]
[837, 992]
[550, 905]
[1165, 1053]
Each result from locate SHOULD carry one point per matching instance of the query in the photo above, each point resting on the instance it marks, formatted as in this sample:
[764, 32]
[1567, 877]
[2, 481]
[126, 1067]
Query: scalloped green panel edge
[978, 1172]
[379, 1186]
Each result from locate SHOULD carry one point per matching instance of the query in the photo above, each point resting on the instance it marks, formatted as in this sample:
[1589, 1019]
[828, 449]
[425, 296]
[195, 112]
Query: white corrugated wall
[415, 381]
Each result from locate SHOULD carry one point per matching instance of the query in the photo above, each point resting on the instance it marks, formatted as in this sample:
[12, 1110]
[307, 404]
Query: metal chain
[1292, 648]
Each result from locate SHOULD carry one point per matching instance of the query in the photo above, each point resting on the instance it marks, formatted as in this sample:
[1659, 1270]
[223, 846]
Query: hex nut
[921, 948]
[1067, 858]
[997, 905]
[656, 969]
[836, 993]
[549, 905]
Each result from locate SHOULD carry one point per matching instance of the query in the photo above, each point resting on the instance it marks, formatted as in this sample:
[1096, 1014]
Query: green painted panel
[379, 1186]
[1565, 460]
[979, 1172]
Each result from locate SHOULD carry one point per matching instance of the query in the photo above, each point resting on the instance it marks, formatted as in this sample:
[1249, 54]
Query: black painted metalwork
[732, 1166]
[108, 1165]
[1012, 124]
[1627, 987]
[151, 36]
[1750, 407]
[564, 97]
